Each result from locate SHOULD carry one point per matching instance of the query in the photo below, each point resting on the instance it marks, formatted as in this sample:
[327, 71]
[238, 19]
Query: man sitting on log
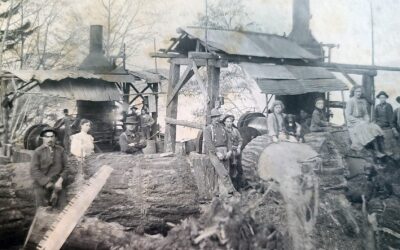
[218, 146]
[49, 170]
[132, 140]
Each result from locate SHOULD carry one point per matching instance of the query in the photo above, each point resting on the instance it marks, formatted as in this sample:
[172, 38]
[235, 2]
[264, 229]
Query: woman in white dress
[82, 144]
[362, 131]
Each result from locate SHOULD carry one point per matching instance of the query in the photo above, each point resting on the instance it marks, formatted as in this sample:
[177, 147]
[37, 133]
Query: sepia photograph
[199, 124]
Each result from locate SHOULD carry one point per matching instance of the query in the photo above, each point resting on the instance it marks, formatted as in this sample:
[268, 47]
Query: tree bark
[141, 194]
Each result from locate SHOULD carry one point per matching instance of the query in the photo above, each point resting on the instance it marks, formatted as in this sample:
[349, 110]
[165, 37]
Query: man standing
[218, 147]
[132, 140]
[49, 170]
[67, 121]
[396, 119]
[146, 122]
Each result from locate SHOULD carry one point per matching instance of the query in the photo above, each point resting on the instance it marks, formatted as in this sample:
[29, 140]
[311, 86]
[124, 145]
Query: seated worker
[217, 145]
[362, 132]
[49, 171]
[235, 170]
[276, 124]
[383, 113]
[132, 140]
[146, 122]
[383, 117]
[319, 123]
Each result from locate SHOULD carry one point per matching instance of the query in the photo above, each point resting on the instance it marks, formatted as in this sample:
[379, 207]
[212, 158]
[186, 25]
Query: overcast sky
[343, 22]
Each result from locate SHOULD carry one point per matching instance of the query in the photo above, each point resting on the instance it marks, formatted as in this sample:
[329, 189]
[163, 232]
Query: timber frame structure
[193, 50]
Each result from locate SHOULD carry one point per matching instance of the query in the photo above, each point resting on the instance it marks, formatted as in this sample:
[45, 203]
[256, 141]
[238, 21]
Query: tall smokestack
[301, 32]
[96, 61]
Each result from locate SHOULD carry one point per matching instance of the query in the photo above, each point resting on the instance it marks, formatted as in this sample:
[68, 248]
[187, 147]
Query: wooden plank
[220, 63]
[356, 66]
[172, 108]
[184, 123]
[183, 79]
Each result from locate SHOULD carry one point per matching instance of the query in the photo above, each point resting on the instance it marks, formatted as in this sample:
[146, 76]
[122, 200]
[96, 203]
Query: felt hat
[227, 116]
[382, 93]
[398, 99]
[132, 120]
[47, 129]
[215, 112]
[133, 108]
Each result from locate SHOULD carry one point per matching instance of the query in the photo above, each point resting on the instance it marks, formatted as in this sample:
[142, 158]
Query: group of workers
[53, 167]
[222, 141]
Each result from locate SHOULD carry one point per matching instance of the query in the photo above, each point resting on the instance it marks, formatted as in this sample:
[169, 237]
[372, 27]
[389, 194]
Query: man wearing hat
[132, 140]
[383, 111]
[49, 171]
[235, 170]
[218, 146]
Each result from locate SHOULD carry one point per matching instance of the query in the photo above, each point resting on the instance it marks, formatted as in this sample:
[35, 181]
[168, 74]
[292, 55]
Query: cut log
[140, 194]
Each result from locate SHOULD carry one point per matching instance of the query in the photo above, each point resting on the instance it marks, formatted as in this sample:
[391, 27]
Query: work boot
[378, 153]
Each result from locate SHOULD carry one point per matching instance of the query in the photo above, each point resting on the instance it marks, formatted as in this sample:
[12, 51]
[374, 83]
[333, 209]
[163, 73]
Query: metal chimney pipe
[301, 16]
[96, 39]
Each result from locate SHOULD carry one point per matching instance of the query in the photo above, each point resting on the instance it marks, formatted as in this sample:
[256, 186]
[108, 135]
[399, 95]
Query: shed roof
[292, 80]
[249, 43]
[82, 90]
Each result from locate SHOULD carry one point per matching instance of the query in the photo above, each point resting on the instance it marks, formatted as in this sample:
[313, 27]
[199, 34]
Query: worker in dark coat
[217, 145]
[49, 171]
[146, 122]
[235, 170]
[132, 140]
[319, 122]
[383, 112]
[67, 121]
[383, 117]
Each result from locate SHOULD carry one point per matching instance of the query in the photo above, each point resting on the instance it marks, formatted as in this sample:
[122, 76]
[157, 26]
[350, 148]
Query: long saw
[76, 208]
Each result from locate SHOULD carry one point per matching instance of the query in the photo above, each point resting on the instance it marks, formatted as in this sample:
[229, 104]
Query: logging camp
[106, 176]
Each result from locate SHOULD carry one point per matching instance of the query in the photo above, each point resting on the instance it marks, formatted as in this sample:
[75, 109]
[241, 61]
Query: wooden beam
[212, 89]
[351, 80]
[355, 71]
[220, 63]
[202, 55]
[139, 94]
[167, 55]
[356, 66]
[183, 79]
[198, 79]
[172, 108]
[184, 123]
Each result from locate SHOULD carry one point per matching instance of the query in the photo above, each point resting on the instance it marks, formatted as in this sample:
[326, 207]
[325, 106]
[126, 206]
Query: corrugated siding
[296, 87]
[292, 80]
[89, 90]
[250, 44]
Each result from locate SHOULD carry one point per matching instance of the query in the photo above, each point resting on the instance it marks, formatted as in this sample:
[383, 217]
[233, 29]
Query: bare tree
[127, 22]
[225, 14]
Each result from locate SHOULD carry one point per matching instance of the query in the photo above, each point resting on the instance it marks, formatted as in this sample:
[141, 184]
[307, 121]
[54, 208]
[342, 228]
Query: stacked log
[141, 193]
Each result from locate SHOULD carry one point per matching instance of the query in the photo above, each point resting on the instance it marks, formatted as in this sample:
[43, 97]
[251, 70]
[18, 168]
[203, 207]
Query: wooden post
[369, 92]
[344, 108]
[212, 89]
[154, 128]
[172, 108]
[6, 114]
